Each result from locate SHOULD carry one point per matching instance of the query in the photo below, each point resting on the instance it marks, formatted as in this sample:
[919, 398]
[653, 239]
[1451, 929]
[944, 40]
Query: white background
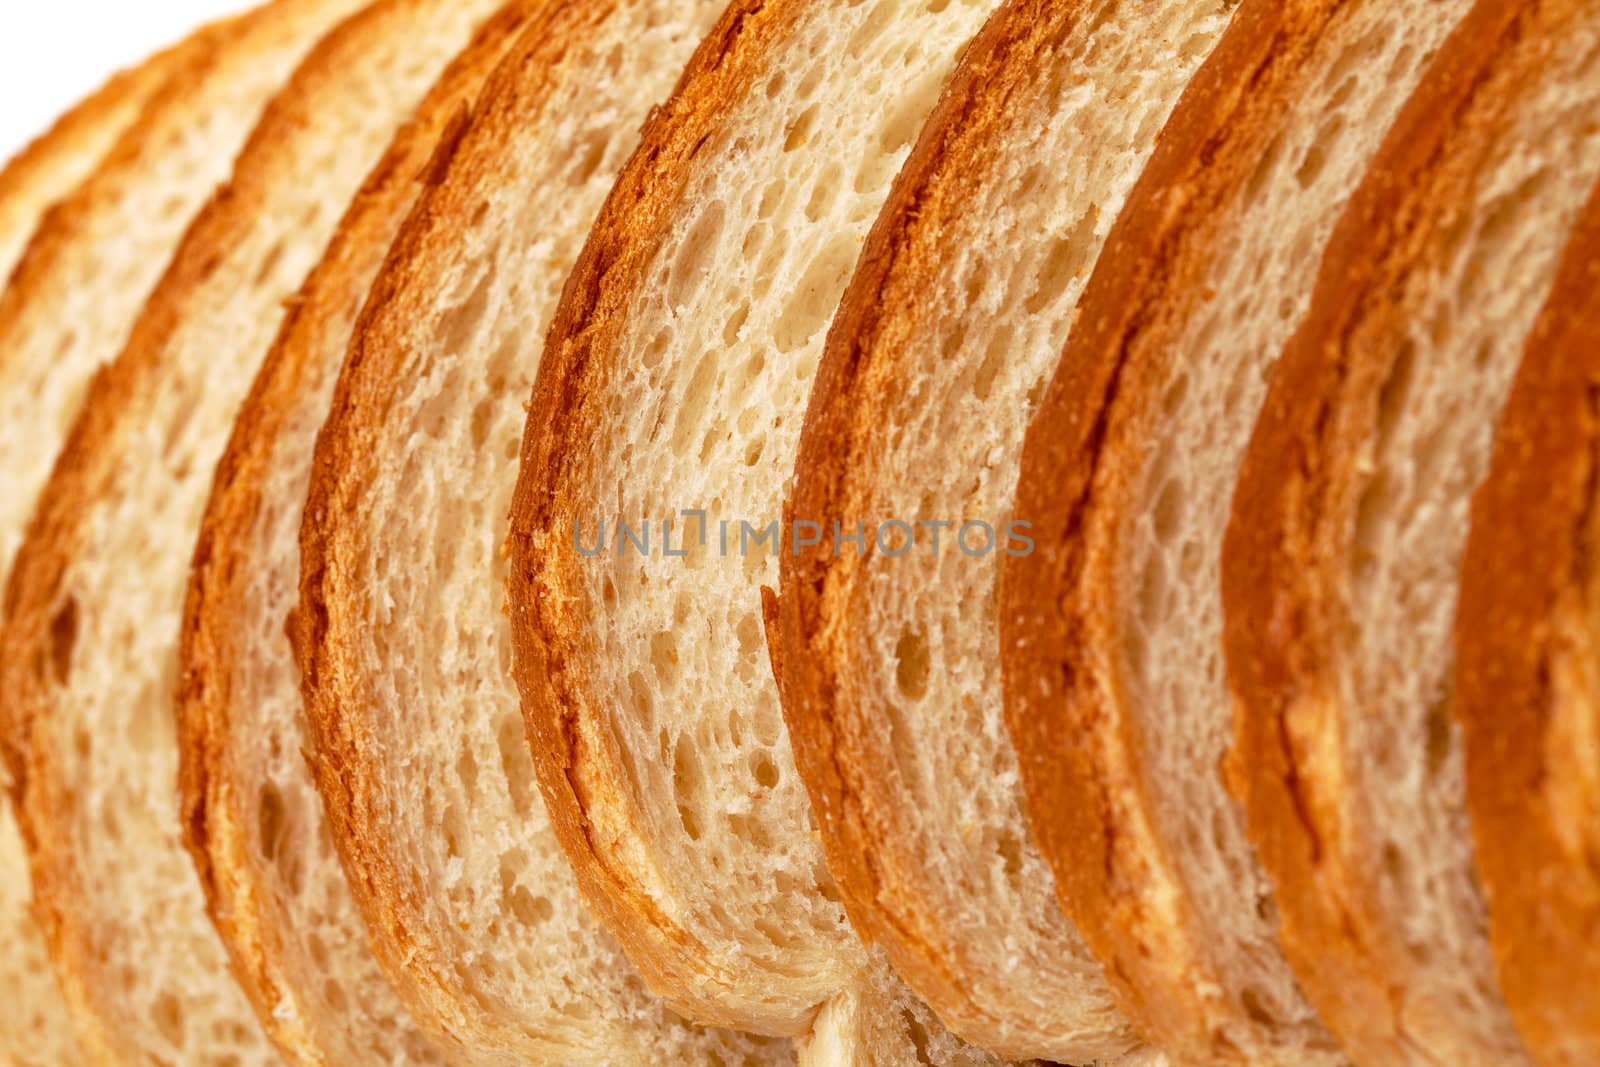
[53, 52]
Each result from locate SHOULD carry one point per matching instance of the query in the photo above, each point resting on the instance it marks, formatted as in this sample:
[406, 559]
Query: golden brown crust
[870, 848]
[1281, 563]
[1065, 705]
[214, 774]
[1525, 666]
[40, 624]
[575, 759]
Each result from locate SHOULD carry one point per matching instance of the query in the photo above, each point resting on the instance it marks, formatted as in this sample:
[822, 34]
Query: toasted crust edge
[863, 832]
[1281, 633]
[1066, 704]
[214, 819]
[1527, 588]
[573, 756]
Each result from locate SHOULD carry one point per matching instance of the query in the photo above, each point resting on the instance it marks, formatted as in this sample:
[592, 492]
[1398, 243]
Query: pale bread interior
[478, 905]
[1471, 312]
[921, 650]
[1258, 282]
[281, 891]
[721, 340]
[136, 939]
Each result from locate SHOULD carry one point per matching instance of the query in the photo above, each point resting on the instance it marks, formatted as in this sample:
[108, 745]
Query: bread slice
[1340, 570]
[957, 312]
[1111, 628]
[1525, 684]
[91, 634]
[36, 1030]
[674, 380]
[251, 814]
[417, 738]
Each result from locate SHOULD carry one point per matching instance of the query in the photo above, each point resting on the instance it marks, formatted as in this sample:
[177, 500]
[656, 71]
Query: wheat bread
[1525, 679]
[674, 379]
[1111, 629]
[1341, 565]
[957, 313]
[418, 747]
[36, 1030]
[94, 598]
[251, 814]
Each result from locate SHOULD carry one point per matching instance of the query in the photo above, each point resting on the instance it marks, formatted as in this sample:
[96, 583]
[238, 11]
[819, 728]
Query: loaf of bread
[251, 813]
[1525, 672]
[35, 1028]
[1341, 565]
[94, 598]
[674, 380]
[1112, 629]
[956, 315]
[417, 739]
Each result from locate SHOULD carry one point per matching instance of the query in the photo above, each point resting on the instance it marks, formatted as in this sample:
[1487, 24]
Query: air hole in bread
[776, 83]
[1010, 848]
[529, 909]
[824, 191]
[911, 665]
[516, 763]
[814, 296]
[664, 658]
[870, 29]
[732, 329]
[167, 1012]
[269, 264]
[690, 268]
[588, 158]
[766, 772]
[272, 822]
[1169, 510]
[1000, 346]
[800, 130]
[1396, 393]
[918, 1033]
[63, 640]
[1067, 260]
[334, 994]
[460, 324]
[467, 772]
[1441, 735]
[688, 779]
[1255, 1002]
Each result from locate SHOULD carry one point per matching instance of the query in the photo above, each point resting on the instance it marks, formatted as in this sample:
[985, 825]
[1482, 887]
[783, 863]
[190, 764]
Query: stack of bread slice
[757, 532]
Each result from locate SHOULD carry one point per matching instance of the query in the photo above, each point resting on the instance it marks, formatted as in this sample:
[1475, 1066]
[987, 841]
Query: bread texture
[1525, 680]
[956, 316]
[418, 747]
[674, 379]
[94, 598]
[1341, 572]
[1112, 629]
[36, 1030]
[251, 813]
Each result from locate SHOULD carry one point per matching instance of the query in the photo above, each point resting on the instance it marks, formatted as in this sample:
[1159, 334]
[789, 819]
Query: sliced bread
[957, 312]
[1111, 628]
[251, 814]
[418, 746]
[1340, 572]
[674, 380]
[36, 1030]
[93, 602]
[1525, 673]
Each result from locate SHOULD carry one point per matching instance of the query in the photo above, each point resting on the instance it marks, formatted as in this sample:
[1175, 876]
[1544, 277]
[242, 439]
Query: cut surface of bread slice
[94, 599]
[675, 380]
[417, 738]
[251, 813]
[956, 315]
[1525, 672]
[36, 1030]
[1111, 629]
[1340, 572]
